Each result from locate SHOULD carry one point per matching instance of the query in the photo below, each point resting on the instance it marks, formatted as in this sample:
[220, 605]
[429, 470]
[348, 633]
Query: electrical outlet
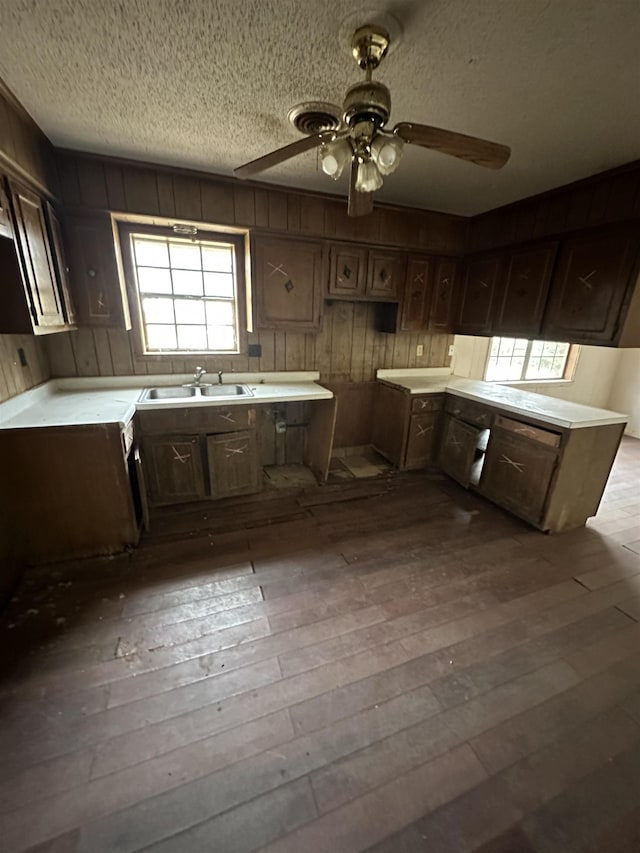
[420, 350]
[281, 427]
[451, 348]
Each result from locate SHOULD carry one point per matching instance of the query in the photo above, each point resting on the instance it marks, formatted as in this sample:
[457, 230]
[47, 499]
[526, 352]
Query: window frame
[567, 374]
[127, 228]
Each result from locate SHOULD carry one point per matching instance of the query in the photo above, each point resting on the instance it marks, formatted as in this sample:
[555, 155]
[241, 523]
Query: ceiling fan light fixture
[335, 157]
[386, 150]
[369, 178]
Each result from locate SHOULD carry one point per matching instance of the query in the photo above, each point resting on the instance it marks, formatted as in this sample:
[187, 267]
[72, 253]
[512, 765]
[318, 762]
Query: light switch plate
[451, 348]
[420, 349]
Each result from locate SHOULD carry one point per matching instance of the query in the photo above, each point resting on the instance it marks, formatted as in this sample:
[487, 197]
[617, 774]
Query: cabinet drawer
[432, 403]
[544, 436]
[473, 413]
[210, 419]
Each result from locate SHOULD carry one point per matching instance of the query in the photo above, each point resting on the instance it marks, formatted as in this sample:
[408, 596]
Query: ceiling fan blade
[479, 151]
[282, 154]
[360, 204]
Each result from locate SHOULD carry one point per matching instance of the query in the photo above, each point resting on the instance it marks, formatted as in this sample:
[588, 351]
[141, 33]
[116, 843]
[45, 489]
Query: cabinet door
[173, 468]
[385, 274]
[5, 215]
[478, 292]
[417, 294]
[93, 271]
[288, 278]
[442, 302]
[458, 446]
[526, 284]
[36, 259]
[517, 474]
[347, 271]
[233, 464]
[62, 268]
[422, 441]
[589, 287]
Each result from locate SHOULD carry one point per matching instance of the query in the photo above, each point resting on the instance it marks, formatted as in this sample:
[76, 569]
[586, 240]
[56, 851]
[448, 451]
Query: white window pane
[187, 282]
[218, 284]
[222, 337]
[520, 346]
[189, 311]
[151, 253]
[515, 368]
[536, 349]
[161, 337]
[219, 314]
[185, 256]
[192, 337]
[495, 347]
[506, 346]
[157, 310]
[549, 348]
[154, 280]
[217, 258]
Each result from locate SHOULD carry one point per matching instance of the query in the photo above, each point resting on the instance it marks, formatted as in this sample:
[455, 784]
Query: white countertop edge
[264, 394]
[427, 372]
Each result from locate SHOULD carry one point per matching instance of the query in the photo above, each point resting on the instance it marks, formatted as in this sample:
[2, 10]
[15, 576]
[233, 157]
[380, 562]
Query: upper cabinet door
[5, 215]
[36, 259]
[589, 287]
[417, 294]
[441, 315]
[385, 274]
[288, 278]
[59, 256]
[93, 271]
[478, 293]
[347, 271]
[526, 285]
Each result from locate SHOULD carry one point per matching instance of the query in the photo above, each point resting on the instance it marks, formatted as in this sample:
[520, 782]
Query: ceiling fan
[362, 143]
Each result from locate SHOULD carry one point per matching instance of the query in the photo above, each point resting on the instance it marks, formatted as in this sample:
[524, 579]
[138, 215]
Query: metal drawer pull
[232, 450]
[517, 465]
[228, 417]
[423, 430]
[454, 442]
[526, 430]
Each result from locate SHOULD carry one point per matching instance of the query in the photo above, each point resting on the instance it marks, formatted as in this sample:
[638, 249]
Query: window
[517, 359]
[186, 289]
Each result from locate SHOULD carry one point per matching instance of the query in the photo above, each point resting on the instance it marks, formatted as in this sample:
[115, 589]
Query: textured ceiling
[207, 84]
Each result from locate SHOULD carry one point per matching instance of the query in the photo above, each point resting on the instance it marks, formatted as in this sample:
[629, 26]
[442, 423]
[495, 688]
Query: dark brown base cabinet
[196, 454]
[406, 428]
[460, 447]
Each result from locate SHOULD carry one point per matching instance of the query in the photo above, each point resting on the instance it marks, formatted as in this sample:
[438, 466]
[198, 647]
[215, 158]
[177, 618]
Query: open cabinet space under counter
[544, 459]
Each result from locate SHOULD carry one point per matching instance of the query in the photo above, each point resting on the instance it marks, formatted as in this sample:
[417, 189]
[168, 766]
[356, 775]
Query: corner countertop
[552, 410]
[114, 400]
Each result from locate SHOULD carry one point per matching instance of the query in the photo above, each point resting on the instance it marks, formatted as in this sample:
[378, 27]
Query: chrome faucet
[197, 376]
[219, 377]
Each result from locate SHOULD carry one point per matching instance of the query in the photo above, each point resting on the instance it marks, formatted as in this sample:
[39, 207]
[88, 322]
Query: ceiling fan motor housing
[367, 101]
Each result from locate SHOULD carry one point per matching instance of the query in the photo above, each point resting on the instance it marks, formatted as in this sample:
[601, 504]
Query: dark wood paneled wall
[14, 378]
[610, 197]
[347, 349]
[109, 184]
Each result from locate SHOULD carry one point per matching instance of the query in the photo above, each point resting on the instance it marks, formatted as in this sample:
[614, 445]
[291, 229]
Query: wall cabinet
[62, 268]
[481, 278]
[5, 214]
[523, 294]
[96, 284]
[356, 272]
[592, 279]
[288, 281]
[39, 308]
[443, 304]
[517, 472]
[416, 298]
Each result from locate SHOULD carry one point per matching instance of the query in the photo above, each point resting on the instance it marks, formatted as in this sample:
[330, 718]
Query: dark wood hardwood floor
[391, 665]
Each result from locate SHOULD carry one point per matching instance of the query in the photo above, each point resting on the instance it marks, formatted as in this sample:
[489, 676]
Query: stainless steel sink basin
[170, 393]
[226, 391]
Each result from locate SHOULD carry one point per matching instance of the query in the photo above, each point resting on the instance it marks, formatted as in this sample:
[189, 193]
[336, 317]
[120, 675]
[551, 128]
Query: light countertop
[103, 400]
[552, 410]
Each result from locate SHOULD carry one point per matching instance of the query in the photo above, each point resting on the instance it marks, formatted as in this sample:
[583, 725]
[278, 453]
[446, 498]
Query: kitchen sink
[188, 392]
[226, 391]
[170, 393]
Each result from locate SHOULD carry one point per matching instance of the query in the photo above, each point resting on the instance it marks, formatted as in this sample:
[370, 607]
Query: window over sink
[186, 286]
[522, 360]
